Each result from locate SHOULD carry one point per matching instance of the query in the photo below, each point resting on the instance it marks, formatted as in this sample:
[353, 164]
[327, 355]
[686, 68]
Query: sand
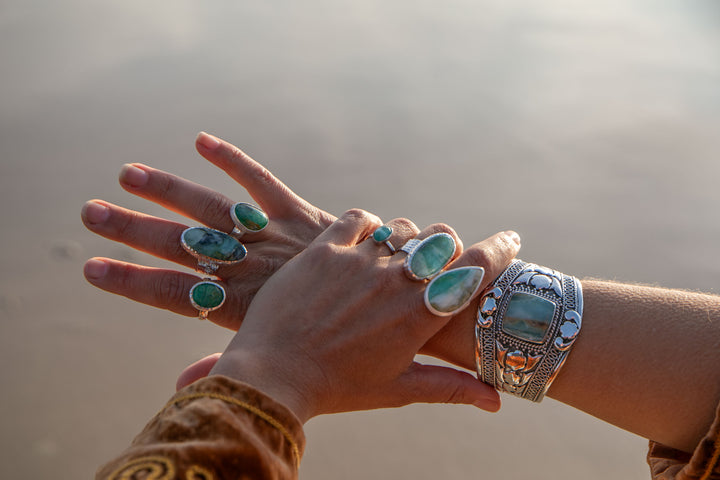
[589, 127]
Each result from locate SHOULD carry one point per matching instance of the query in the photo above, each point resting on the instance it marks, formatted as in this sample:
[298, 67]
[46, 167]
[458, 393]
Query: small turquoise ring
[207, 296]
[247, 219]
[426, 258]
[382, 235]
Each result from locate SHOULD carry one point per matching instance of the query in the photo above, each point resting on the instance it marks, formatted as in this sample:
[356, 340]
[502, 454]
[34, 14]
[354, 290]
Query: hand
[294, 223]
[337, 329]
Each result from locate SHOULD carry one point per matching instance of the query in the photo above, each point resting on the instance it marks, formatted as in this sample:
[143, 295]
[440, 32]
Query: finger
[196, 371]
[493, 254]
[146, 233]
[351, 228]
[437, 384]
[402, 231]
[273, 196]
[178, 194]
[161, 288]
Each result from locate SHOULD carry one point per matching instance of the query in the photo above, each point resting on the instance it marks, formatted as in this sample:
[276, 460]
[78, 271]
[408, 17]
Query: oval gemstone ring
[382, 235]
[247, 218]
[212, 248]
[207, 296]
[426, 258]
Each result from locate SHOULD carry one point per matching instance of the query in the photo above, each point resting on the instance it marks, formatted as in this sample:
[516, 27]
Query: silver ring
[426, 258]
[207, 296]
[452, 290]
[212, 248]
[527, 322]
[381, 236]
[247, 218]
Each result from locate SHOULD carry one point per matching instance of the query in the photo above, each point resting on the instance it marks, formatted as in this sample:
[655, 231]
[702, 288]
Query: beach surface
[591, 128]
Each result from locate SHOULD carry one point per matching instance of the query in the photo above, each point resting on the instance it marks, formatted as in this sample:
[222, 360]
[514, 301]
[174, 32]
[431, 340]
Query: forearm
[647, 360]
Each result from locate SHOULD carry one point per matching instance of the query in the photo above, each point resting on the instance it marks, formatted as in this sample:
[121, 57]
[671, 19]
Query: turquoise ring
[247, 218]
[212, 248]
[382, 235]
[452, 290]
[426, 258]
[207, 296]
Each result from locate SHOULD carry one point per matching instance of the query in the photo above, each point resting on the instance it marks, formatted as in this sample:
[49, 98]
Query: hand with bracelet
[647, 359]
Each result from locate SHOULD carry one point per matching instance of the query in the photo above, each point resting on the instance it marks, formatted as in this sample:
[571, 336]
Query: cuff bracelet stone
[527, 322]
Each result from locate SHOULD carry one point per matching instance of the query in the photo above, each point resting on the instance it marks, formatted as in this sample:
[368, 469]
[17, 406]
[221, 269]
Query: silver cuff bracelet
[527, 322]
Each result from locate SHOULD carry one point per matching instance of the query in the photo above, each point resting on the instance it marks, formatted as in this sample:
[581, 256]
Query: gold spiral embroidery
[196, 472]
[151, 468]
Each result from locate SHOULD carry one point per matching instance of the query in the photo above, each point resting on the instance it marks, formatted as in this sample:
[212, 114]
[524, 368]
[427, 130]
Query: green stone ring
[212, 248]
[382, 235]
[207, 296]
[247, 218]
[426, 258]
[452, 290]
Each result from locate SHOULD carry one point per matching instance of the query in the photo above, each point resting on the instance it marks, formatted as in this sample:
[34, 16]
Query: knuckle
[405, 225]
[169, 289]
[214, 204]
[356, 213]
[480, 256]
[442, 228]
[166, 186]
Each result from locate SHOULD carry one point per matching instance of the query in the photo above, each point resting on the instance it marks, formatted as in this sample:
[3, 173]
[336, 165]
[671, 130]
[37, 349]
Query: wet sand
[589, 127]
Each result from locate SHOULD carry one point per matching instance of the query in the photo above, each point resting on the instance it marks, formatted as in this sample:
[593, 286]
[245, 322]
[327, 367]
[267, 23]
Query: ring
[382, 234]
[452, 290]
[247, 218]
[207, 296]
[212, 248]
[527, 322]
[426, 258]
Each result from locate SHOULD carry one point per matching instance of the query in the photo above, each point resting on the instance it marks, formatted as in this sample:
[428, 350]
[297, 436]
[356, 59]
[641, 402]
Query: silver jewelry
[382, 235]
[207, 296]
[426, 258]
[247, 218]
[452, 290]
[527, 322]
[212, 248]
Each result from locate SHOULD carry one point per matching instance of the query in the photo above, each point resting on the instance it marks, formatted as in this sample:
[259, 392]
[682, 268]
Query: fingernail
[208, 141]
[95, 213]
[133, 176]
[488, 404]
[95, 269]
[515, 237]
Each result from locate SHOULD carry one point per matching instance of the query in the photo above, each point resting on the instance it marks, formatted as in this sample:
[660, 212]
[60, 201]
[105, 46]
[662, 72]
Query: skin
[654, 352]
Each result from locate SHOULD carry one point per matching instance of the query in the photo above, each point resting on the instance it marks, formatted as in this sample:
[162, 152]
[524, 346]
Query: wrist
[263, 375]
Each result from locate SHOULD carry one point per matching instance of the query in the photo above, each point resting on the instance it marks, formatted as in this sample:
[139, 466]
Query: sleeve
[703, 464]
[215, 428]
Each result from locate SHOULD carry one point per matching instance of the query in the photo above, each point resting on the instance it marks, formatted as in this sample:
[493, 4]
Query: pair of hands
[327, 321]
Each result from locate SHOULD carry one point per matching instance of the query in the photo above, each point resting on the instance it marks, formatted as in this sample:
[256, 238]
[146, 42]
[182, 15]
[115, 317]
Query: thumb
[196, 371]
[437, 384]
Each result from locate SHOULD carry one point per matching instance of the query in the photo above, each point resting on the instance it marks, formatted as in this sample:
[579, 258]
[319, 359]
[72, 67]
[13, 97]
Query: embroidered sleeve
[215, 428]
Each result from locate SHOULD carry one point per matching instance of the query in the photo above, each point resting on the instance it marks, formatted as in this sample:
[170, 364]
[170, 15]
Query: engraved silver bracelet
[527, 322]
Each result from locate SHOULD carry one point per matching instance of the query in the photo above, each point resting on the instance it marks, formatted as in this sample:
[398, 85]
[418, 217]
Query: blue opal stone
[382, 234]
[213, 244]
[528, 317]
[431, 256]
[452, 290]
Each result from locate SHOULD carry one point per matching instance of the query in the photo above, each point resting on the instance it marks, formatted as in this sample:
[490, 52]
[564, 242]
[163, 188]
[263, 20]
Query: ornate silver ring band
[527, 322]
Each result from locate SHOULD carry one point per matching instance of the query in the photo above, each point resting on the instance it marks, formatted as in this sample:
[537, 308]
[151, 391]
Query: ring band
[381, 236]
[212, 248]
[247, 218]
[426, 258]
[527, 322]
[207, 296]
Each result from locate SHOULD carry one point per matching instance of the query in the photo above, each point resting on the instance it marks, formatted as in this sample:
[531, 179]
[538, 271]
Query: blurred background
[592, 128]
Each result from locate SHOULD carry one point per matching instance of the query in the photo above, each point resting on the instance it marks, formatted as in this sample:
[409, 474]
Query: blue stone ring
[382, 235]
[426, 258]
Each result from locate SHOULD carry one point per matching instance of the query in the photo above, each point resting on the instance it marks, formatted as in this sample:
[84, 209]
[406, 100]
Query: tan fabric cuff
[703, 464]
